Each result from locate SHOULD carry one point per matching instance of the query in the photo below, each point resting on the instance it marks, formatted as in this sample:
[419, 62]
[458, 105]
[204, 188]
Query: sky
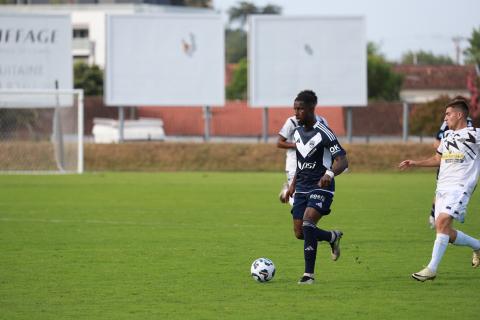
[395, 26]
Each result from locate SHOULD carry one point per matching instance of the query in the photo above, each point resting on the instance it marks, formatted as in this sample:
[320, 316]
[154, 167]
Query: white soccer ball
[262, 269]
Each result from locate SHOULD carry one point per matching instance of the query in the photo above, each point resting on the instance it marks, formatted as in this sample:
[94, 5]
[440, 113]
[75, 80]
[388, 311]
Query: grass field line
[163, 225]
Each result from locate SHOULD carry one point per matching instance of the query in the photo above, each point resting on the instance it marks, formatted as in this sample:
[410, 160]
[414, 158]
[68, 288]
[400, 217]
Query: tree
[383, 82]
[425, 58]
[236, 45]
[427, 118]
[237, 89]
[472, 53]
[88, 78]
[236, 38]
[241, 12]
[193, 3]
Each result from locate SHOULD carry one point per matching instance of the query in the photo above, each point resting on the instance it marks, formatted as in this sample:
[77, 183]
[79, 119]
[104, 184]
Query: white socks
[465, 240]
[439, 247]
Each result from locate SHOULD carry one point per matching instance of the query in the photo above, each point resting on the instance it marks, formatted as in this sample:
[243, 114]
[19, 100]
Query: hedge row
[152, 156]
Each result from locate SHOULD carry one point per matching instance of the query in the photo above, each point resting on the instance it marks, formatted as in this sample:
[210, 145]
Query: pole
[405, 121]
[121, 124]
[265, 125]
[349, 124]
[58, 132]
[207, 115]
[80, 164]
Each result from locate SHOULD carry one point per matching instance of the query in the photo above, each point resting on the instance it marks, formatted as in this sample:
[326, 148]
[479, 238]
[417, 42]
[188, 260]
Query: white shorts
[453, 203]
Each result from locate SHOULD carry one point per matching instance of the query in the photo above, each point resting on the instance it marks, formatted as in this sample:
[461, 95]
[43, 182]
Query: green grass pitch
[180, 245]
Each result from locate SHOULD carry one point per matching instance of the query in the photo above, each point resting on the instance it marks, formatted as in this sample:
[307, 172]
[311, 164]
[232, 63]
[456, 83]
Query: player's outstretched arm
[430, 162]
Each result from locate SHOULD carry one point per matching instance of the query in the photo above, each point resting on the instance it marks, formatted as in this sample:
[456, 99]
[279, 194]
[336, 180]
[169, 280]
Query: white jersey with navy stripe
[444, 127]
[460, 163]
[315, 150]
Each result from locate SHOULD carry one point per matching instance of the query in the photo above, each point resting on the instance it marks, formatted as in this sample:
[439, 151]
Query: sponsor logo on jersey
[306, 165]
[453, 157]
[334, 149]
[317, 197]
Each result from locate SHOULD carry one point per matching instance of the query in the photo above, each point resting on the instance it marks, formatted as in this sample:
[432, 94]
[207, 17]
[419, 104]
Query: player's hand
[325, 181]
[406, 164]
[290, 192]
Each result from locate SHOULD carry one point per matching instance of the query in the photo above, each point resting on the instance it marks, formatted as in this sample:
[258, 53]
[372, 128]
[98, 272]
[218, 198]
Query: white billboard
[35, 51]
[168, 59]
[324, 54]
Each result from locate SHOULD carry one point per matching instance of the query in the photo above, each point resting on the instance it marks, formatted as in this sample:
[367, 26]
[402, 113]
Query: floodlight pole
[121, 124]
[207, 115]
[265, 125]
[405, 121]
[349, 124]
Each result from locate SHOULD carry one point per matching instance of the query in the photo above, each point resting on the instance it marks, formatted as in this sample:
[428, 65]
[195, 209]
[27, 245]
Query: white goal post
[41, 131]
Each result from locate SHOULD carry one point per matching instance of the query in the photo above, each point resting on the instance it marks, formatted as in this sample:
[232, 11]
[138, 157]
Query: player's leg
[445, 232]
[311, 236]
[431, 217]
[448, 207]
[459, 238]
[443, 225]
[298, 209]
[318, 205]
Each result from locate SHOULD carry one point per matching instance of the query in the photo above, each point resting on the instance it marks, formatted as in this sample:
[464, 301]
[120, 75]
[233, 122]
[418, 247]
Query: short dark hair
[308, 98]
[460, 103]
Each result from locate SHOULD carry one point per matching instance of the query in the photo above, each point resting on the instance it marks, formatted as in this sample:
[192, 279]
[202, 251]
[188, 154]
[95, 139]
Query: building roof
[427, 77]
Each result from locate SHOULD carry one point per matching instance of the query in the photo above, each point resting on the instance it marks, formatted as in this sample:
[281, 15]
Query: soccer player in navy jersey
[285, 141]
[319, 158]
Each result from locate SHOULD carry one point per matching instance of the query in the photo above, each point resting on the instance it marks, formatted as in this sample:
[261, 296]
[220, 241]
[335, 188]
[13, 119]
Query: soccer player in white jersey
[285, 141]
[320, 157]
[458, 156]
[438, 138]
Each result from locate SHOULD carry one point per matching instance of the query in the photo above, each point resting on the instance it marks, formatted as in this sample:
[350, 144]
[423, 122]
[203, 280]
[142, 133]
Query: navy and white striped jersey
[287, 132]
[315, 151]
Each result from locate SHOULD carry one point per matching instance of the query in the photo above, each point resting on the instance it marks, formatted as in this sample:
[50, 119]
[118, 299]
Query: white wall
[94, 16]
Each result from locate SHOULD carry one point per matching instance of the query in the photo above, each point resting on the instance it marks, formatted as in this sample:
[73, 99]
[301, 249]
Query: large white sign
[173, 59]
[324, 54]
[35, 51]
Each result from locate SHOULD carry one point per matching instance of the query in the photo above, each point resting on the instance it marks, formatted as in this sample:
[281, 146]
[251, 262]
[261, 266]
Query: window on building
[80, 33]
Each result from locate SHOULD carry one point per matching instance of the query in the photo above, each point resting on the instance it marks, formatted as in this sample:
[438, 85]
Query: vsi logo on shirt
[306, 165]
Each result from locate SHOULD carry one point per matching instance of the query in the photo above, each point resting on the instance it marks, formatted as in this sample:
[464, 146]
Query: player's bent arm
[282, 143]
[340, 164]
[430, 162]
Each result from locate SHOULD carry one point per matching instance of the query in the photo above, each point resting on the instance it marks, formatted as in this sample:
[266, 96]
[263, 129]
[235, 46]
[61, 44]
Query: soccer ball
[262, 269]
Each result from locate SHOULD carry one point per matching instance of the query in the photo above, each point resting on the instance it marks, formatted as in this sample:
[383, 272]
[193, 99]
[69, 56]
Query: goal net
[41, 131]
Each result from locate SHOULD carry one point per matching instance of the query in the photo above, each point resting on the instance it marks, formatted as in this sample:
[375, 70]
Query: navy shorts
[316, 199]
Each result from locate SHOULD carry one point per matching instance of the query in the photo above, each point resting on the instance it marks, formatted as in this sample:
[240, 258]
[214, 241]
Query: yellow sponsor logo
[453, 156]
